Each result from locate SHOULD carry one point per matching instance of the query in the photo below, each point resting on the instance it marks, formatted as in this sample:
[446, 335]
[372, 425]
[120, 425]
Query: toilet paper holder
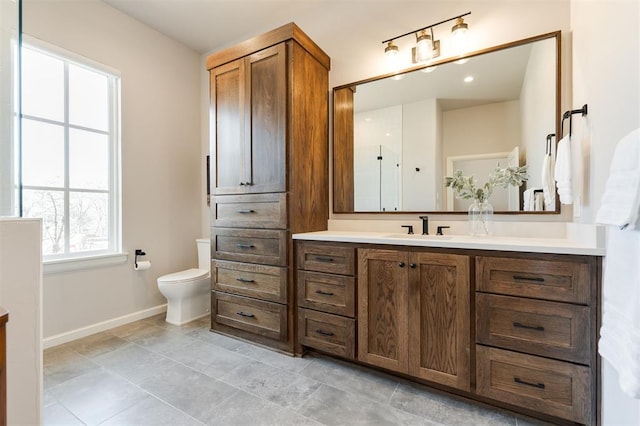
[139, 252]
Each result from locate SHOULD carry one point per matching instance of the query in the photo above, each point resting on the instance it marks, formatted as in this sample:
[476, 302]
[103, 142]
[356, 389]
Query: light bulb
[460, 36]
[424, 47]
[392, 54]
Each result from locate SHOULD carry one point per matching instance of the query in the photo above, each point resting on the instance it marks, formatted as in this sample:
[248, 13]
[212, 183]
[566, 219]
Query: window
[70, 152]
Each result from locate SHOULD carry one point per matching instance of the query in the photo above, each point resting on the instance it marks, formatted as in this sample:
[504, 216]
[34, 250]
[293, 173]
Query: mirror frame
[343, 129]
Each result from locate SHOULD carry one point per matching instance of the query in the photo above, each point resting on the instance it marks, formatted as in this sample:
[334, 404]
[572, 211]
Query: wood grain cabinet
[269, 177]
[414, 315]
[326, 297]
[536, 333]
[4, 317]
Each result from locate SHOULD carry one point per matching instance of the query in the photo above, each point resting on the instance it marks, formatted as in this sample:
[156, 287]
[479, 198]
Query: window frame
[68, 260]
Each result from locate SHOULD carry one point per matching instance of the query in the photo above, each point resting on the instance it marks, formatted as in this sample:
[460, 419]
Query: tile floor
[152, 373]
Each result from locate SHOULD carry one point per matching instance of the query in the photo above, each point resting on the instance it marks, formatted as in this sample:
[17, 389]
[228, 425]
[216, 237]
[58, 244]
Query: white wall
[21, 294]
[538, 89]
[420, 145]
[162, 164]
[606, 76]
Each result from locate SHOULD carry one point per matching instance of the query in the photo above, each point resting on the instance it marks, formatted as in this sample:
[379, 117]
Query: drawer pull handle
[324, 333]
[521, 278]
[324, 259]
[522, 382]
[401, 264]
[242, 314]
[530, 327]
[245, 246]
[246, 211]
[413, 265]
[244, 280]
[324, 293]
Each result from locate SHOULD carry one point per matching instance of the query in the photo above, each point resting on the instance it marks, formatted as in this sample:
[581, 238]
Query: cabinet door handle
[521, 278]
[401, 264]
[324, 259]
[529, 327]
[248, 183]
[522, 382]
[324, 293]
[412, 265]
[245, 246]
[242, 314]
[324, 333]
[245, 211]
[244, 280]
[241, 183]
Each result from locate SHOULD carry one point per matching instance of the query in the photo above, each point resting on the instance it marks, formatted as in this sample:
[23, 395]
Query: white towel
[548, 183]
[529, 200]
[620, 332]
[620, 205]
[563, 172]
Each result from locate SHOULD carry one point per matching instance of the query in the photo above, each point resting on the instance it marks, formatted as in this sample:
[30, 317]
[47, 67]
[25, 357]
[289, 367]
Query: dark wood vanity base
[514, 330]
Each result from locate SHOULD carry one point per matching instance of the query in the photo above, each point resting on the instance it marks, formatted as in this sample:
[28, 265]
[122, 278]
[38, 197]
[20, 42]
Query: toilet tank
[204, 253]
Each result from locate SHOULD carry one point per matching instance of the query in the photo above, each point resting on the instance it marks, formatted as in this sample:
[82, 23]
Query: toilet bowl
[188, 292]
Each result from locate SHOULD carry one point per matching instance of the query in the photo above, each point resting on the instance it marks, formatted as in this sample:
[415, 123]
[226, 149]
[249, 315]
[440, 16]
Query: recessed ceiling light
[462, 61]
[429, 69]
[468, 79]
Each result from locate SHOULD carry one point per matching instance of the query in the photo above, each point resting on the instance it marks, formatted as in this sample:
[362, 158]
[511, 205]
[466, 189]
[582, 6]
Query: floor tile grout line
[253, 357]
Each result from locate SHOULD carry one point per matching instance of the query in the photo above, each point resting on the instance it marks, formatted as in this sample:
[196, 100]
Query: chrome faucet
[425, 225]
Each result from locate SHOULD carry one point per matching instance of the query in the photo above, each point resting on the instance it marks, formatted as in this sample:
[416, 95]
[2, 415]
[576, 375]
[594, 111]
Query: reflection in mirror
[396, 138]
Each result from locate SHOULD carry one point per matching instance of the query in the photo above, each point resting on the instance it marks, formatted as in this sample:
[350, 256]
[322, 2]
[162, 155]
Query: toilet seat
[183, 276]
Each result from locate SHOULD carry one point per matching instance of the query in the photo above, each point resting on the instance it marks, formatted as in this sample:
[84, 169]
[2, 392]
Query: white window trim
[115, 255]
[54, 266]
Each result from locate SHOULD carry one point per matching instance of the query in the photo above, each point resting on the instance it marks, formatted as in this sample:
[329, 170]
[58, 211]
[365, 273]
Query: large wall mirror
[396, 136]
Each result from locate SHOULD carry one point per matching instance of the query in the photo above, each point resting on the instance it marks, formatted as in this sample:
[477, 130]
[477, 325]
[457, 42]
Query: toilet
[188, 292]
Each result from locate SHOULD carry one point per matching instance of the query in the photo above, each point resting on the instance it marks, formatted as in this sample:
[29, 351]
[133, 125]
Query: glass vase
[480, 218]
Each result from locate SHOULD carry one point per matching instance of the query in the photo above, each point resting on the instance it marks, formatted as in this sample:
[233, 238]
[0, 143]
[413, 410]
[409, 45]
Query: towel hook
[548, 147]
[569, 114]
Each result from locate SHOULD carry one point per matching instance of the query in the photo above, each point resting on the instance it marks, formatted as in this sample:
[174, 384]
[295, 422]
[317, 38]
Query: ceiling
[209, 25]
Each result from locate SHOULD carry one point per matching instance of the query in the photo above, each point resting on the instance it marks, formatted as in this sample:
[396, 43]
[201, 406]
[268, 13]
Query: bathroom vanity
[507, 321]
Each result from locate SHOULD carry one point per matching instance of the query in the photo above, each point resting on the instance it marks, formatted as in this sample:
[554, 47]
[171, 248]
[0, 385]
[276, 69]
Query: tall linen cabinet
[269, 178]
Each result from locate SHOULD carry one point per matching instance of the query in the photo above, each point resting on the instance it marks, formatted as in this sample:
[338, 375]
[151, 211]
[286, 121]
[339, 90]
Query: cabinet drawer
[559, 280]
[550, 329]
[327, 293]
[327, 332]
[553, 387]
[251, 211]
[331, 258]
[255, 316]
[247, 279]
[251, 245]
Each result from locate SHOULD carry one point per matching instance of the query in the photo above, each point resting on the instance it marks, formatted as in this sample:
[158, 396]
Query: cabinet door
[439, 318]
[267, 82]
[228, 127]
[382, 308]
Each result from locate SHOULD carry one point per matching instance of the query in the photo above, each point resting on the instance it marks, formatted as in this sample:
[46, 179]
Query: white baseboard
[78, 333]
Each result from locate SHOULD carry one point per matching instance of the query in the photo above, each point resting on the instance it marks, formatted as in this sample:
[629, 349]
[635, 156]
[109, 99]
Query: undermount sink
[419, 236]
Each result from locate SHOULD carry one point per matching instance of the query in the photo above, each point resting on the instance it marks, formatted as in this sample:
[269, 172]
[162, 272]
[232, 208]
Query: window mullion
[67, 221]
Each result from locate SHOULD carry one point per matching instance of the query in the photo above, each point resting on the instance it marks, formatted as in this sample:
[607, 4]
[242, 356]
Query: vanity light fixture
[460, 39]
[427, 47]
[391, 53]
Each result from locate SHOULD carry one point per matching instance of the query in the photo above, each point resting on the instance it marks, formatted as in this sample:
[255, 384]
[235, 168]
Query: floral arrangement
[465, 187]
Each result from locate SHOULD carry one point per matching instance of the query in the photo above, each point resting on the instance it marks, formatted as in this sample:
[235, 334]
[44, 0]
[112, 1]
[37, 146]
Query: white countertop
[503, 243]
